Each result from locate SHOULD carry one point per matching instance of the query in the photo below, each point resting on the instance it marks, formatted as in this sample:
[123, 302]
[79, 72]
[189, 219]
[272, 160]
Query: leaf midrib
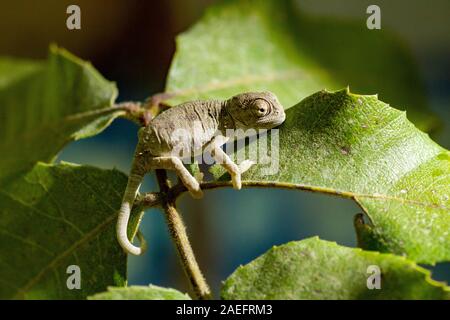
[325, 190]
[54, 262]
[50, 126]
[294, 73]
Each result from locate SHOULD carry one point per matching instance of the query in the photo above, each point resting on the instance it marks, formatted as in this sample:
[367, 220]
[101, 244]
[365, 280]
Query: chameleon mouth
[273, 122]
[281, 120]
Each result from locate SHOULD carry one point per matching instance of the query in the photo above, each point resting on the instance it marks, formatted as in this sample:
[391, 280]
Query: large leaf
[140, 293]
[45, 105]
[270, 45]
[54, 217]
[318, 269]
[360, 148]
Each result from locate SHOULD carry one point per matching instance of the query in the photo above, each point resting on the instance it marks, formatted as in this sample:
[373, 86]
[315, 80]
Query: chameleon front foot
[236, 176]
[195, 191]
[174, 163]
[245, 165]
[236, 181]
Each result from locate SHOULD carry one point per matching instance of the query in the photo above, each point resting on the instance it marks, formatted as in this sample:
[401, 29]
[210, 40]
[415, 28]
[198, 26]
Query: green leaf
[255, 45]
[360, 148]
[140, 293]
[318, 269]
[45, 105]
[56, 216]
[366, 238]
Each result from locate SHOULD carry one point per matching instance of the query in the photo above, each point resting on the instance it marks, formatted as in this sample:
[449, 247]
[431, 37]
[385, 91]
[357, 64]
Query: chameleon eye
[261, 107]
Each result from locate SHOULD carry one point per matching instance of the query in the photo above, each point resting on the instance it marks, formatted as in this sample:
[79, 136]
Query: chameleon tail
[134, 182]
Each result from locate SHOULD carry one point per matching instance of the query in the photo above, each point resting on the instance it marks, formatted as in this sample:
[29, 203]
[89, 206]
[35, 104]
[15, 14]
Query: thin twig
[153, 199]
[179, 236]
[179, 189]
[148, 200]
[135, 112]
[143, 113]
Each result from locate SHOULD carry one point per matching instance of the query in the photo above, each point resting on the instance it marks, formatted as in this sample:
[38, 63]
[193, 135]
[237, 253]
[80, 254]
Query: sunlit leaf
[360, 148]
[140, 293]
[318, 269]
[45, 105]
[55, 217]
[272, 45]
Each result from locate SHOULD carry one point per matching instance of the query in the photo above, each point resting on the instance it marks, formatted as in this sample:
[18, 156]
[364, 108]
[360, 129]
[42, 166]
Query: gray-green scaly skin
[194, 125]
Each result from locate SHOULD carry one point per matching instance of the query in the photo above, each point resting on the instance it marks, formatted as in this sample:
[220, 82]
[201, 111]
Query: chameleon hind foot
[195, 191]
[175, 164]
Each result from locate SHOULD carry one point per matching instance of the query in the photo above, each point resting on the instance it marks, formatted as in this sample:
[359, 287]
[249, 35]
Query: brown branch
[179, 236]
[150, 200]
[180, 188]
[135, 112]
[143, 113]
[153, 199]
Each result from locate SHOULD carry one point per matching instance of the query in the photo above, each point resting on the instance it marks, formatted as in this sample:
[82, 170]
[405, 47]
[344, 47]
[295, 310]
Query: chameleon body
[193, 126]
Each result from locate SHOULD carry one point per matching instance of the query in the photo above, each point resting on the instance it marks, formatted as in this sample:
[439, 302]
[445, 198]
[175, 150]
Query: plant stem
[152, 199]
[179, 236]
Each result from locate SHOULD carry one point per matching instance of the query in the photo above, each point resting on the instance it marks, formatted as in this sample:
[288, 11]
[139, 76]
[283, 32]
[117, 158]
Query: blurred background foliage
[132, 43]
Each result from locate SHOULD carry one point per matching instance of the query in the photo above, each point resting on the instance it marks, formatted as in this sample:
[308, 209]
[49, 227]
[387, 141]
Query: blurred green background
[132, 43]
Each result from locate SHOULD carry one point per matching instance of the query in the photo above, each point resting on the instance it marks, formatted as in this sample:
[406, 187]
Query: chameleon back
[182, 130]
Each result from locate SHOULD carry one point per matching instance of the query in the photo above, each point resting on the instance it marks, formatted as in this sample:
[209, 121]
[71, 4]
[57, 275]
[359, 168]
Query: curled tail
[134, 182]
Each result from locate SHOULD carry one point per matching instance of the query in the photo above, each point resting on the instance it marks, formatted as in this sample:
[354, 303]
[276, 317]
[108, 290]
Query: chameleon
[158, 140]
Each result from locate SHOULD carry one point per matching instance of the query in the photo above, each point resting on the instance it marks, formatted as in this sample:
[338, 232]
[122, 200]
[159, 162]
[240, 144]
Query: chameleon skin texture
[191, 124]
[185, 131]
[194, 124]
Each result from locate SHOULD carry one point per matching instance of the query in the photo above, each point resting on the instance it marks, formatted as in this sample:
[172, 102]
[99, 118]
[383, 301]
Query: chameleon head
[256, 110]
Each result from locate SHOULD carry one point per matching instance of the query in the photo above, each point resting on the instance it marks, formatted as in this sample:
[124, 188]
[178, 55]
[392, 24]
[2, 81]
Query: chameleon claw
[245, 165]
[236, 180]
[196, 194]
[194, 190]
